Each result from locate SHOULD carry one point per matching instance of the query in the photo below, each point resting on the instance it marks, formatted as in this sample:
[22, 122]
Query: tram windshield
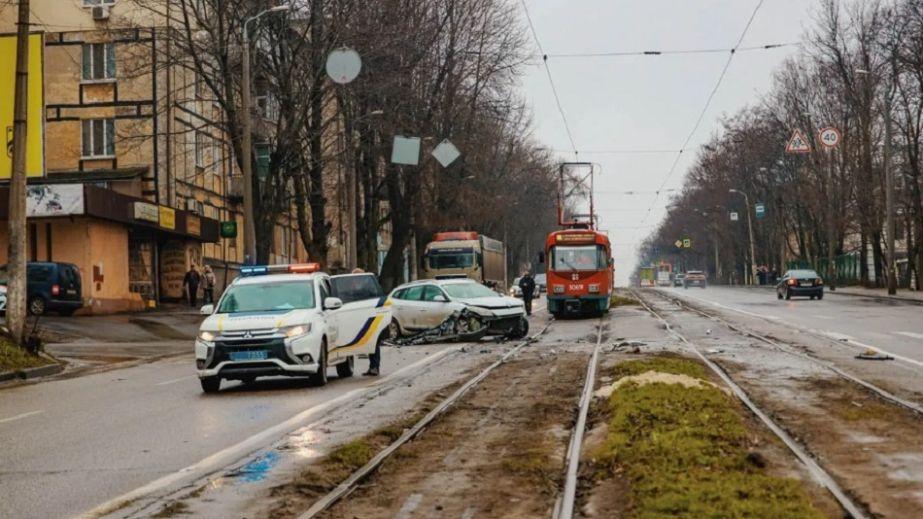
[582, 257]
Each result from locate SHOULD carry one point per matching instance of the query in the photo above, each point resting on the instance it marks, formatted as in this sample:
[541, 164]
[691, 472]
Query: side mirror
[333, 303]
[207, 310]
[440, 299]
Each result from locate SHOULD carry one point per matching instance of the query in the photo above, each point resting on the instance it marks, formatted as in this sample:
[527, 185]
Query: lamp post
[247, 144]
[750, 231]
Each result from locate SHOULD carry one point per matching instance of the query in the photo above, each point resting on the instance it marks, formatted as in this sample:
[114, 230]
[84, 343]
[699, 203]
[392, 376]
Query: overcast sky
[648, 102]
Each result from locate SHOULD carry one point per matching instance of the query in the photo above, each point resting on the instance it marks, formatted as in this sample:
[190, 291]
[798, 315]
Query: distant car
[678, 279]
[541, 284]
[425, 304]
[802, 282]
[695, 278]
[50, 286]
[515, 291]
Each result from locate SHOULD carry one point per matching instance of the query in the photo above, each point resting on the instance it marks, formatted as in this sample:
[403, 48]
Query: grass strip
[15, 358]
[685, 452]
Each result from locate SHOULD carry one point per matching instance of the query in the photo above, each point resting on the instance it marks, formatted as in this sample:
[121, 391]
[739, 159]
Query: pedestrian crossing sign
[798, 143]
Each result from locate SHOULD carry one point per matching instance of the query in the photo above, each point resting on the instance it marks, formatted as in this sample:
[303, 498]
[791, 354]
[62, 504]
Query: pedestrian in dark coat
[527, 285]
[191, 284]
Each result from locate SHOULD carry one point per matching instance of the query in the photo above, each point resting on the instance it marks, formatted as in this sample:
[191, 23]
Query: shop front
[130, 253]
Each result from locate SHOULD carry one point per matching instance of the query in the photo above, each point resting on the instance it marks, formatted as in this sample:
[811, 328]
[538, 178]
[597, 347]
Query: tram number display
[576, 238]
[575, 288]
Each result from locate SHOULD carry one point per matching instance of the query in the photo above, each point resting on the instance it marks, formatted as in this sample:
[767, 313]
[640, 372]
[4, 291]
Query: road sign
[679, 244]
[798, 143]
[445, 153]
[734, 217]
[760, 210]
[406, 150]
[343, 65]
[262, 161]
[687, 243]
[229, 229]
[829, 137]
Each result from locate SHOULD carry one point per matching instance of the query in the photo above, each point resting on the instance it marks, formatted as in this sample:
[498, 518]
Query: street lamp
[750, 231]
[249, 224]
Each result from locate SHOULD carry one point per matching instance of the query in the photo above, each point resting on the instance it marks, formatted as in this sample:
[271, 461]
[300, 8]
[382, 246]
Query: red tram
[580, 272]
[579, 268]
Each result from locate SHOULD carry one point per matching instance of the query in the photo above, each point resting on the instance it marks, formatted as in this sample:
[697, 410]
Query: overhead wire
[615, 54]
[705, 108]
[554, 90]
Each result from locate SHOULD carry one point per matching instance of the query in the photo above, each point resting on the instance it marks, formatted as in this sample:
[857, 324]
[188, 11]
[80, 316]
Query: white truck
[466, 254]
[290, 320]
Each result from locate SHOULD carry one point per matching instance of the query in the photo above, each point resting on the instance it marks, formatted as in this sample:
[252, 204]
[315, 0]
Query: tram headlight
[594, 288]
[558, 289]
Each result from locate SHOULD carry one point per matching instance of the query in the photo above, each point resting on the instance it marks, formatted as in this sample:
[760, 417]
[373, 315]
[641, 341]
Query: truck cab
[466, 254]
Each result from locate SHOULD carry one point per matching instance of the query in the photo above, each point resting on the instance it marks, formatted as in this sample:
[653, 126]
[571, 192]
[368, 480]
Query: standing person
[191, 284]
[208, 289]
[527, 285]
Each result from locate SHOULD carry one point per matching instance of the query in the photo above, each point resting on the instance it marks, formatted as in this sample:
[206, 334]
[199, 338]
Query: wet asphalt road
[895, 327]
[69, 445]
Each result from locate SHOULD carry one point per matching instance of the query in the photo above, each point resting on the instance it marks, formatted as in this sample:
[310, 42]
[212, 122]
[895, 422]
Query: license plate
[805, 283]
[249, 355]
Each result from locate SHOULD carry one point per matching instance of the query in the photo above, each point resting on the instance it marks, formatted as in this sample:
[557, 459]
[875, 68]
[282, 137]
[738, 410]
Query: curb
[880, 297]
[26, 374]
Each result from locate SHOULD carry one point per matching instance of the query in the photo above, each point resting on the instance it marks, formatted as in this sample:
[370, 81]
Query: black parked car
[51, 286]
[800, 283]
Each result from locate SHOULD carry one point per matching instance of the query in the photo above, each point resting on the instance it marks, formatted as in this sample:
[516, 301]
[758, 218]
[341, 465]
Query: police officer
[527, 285]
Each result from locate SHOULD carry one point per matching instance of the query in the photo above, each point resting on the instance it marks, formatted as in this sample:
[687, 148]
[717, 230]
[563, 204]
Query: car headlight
[206, 336]
[296, 331]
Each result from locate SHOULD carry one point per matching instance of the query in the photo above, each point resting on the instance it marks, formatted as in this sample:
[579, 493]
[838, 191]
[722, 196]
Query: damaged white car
[457, 308]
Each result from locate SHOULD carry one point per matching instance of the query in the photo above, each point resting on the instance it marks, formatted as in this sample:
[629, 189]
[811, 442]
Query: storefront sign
[168, 218]
[147, 212]
[54, 200]
[229, 229]
[193, 225]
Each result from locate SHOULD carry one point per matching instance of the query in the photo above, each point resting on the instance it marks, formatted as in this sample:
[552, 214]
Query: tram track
[791, 350]
[817, 471]
[347, 486]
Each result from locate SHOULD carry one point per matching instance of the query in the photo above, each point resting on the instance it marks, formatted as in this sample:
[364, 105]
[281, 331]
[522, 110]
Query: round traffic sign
[830, 137]
[343, 65]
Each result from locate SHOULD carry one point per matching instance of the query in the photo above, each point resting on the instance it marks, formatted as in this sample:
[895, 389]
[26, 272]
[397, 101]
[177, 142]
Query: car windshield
[468, 290]
[268, 297]
[585, 257]
[451, 259]
[802, 274]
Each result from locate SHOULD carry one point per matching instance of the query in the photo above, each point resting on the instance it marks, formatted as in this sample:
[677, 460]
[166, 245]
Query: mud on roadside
[499, 452]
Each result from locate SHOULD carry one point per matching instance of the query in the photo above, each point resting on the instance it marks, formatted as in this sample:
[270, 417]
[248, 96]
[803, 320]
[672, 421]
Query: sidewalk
[914, 296]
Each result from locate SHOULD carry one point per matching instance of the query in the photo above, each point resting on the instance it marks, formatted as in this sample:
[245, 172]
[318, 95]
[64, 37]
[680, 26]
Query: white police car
[290, 320]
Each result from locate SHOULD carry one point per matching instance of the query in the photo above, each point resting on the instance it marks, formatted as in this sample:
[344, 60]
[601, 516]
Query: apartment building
[136, 180]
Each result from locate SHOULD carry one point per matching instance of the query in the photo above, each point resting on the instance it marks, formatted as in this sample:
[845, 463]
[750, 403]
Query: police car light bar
[297, 268]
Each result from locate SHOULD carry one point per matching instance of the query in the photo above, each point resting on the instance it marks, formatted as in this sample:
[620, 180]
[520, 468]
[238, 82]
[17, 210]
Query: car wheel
[788, 295]
[210, 384]
[37, 305]
[812, 297]
[394, 329]
[346, 369]
[521, 329]
[320, 378]
[820, 296]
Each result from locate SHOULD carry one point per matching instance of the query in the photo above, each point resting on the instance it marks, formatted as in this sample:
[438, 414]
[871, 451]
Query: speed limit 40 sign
[829, 137]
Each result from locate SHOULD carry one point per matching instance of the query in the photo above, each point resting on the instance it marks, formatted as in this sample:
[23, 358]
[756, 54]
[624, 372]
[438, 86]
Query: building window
[99, 138]
[199, 149]
[98, 61]
[90, 3]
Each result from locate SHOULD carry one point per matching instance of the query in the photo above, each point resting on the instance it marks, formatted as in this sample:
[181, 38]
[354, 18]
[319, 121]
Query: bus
[580, 272]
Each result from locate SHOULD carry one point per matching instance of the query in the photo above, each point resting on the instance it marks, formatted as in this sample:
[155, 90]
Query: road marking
[20, 416]
[842, 338]
[911, 335]
[174, 381]
[825, 317]
[242, 449]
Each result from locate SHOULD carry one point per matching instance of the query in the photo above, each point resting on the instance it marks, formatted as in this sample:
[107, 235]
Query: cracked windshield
[352, 259]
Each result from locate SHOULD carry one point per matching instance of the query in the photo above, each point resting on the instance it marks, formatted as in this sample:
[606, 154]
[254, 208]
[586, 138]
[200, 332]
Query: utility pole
[247, 141]
[889, 187]
[750, 231]
[16, 259]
